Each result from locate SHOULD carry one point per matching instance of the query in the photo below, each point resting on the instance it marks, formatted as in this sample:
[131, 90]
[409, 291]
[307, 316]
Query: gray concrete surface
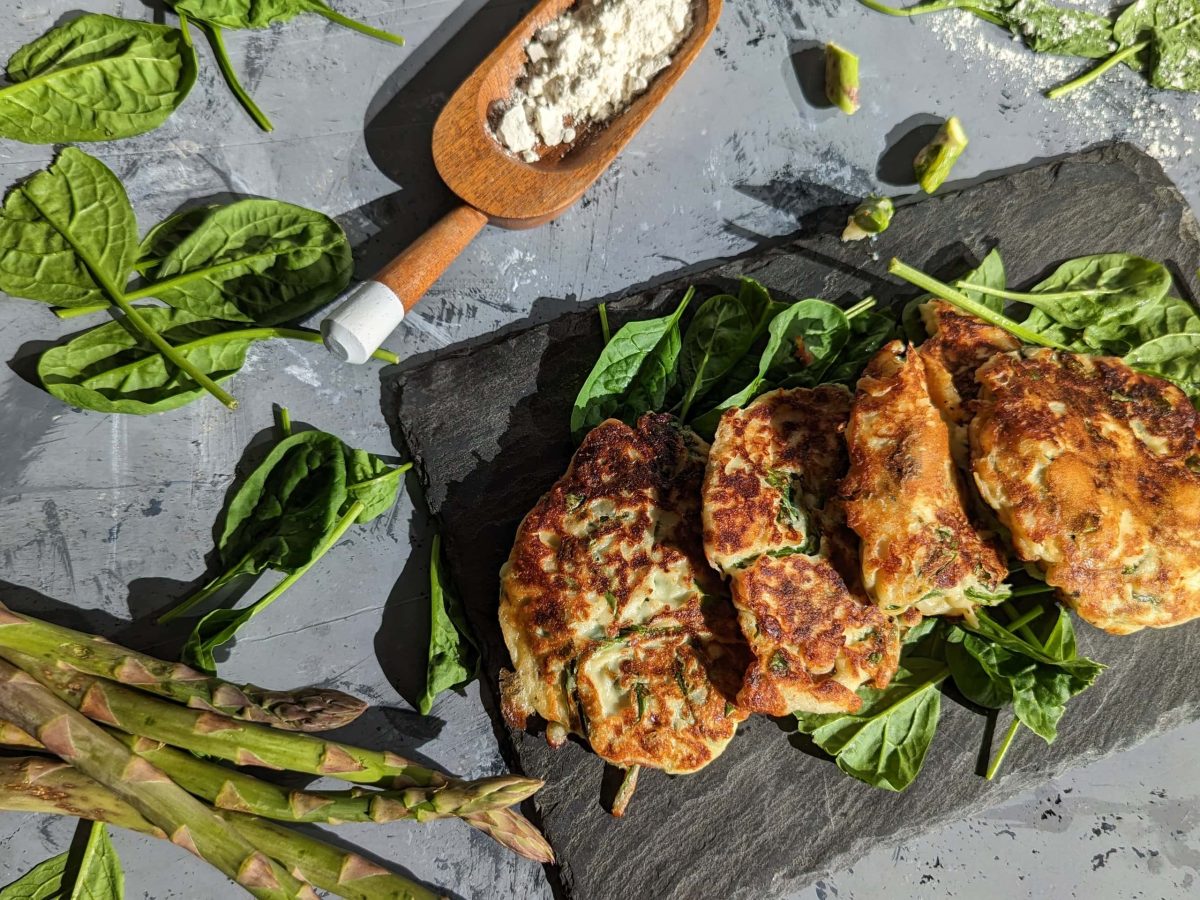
[112, 515]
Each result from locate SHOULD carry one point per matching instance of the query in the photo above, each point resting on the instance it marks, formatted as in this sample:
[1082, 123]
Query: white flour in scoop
[587, 66]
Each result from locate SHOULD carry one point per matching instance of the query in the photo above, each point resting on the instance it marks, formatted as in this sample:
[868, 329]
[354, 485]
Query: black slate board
[488, 427]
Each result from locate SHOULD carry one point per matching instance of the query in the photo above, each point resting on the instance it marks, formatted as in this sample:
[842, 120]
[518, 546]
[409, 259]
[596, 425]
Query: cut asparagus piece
[51, 787]
[190, 824]
[305, 709]
[933, 164]
[841, 78]
[250, 744]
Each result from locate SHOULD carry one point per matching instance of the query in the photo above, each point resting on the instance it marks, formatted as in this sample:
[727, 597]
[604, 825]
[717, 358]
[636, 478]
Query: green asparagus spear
[841, 78]
[306, 709]
[51, 787]
[933, 164]
[237, 791]
[234, 790]
[871, 217]
[249, 744]
[191, 825]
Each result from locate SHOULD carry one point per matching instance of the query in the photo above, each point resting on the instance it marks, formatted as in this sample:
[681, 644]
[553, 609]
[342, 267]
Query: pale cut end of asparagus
[841, 78]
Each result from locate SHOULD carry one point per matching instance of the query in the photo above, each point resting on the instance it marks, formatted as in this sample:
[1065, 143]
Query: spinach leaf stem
[216, 38]
[1092, 74]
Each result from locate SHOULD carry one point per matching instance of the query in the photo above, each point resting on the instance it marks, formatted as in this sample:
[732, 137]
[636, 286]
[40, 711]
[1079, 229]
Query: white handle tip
[362, 322]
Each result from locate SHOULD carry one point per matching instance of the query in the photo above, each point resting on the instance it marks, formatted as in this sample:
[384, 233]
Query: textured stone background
[112, 515]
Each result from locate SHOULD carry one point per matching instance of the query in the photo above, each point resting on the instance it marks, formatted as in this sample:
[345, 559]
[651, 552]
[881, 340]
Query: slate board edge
[639, 296]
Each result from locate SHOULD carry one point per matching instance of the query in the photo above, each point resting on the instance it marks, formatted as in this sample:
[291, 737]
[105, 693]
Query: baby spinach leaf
[1082, 291]
[97, 875]
[453, 655]
[1119, 330]
[1047, 28]
[868, 332]
[1081, 667]
[884, 744]
[804, 341]
[633, 374]
[1175, 357]
[721, 333]
[1147, 25]
[264, 13]
[1175, 62]
[256, 260]
[372, 482]
[113, 369]
[72, 233]
[96, 78]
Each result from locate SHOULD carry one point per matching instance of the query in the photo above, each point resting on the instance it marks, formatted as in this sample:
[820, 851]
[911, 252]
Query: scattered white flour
[1163, 123]
[588, 65]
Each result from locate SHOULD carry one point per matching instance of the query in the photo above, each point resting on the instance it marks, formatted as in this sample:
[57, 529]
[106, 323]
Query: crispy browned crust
[814, 643]
[608, 568]
[959, 343]
[905, 499]
[814, 640]
[1094, 469]
[782, 436]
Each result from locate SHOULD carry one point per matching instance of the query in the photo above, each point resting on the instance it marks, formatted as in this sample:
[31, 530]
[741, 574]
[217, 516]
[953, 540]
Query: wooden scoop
[495, 185]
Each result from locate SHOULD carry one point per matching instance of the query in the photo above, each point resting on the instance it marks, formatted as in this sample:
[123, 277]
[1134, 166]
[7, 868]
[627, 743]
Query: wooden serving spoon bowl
[495, 185]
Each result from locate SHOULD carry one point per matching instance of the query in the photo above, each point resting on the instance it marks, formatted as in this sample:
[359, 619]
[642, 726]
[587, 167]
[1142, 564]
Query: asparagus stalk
[191, 824]
[306, 709]
[38, 785]
[250, 744]
[236, 791]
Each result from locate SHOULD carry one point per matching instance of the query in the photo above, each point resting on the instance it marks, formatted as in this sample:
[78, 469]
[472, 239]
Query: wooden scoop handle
[373, 309]
[411, 274]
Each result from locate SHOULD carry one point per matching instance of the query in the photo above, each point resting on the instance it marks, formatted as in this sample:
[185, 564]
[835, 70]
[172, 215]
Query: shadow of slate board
[488, 427]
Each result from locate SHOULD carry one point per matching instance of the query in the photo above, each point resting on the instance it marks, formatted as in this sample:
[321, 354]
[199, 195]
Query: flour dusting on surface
[1148, 117]
[587, 66]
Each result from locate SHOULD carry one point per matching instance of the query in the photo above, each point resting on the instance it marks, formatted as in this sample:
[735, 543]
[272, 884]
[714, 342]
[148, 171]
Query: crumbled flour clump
[588, 65]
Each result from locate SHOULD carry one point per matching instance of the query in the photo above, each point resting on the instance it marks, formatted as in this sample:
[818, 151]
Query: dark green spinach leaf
[1175, 357]
[721, 333]
[114, 369]
[96, 876]
[884, 744]
[453, 655]
[633, 374]
[96, 78]
[261, 261]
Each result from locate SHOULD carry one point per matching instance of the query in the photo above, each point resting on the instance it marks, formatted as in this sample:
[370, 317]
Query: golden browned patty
[773, 467]
[814, 643]
[1095, 469]
[906, 501]
[617, 628]
[959, 343]
[772, 523]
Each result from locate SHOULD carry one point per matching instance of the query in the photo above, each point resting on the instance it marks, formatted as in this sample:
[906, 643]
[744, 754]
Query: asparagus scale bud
[76, 740]
[935, 160]
[841, 78]
[38, 785]
[305, 709]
